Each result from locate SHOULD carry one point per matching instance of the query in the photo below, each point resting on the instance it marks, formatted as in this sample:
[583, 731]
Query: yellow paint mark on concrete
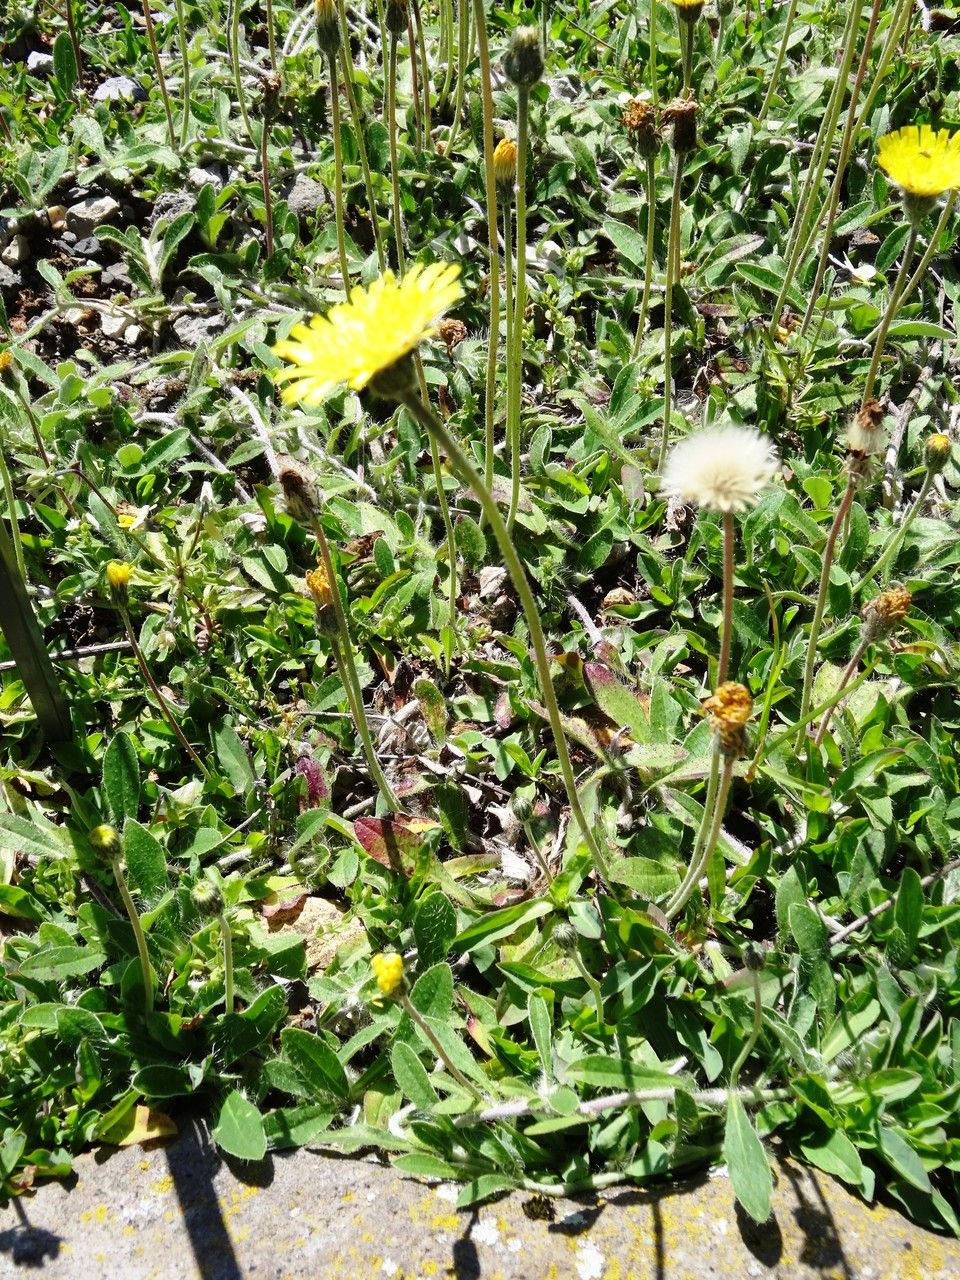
[445, 1222]
[347, 1195]
[162, 1185]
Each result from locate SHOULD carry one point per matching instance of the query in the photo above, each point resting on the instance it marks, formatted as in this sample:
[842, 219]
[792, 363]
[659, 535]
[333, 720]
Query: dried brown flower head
[452, 333]
[682, 114]
[300, 494]
[865, 434]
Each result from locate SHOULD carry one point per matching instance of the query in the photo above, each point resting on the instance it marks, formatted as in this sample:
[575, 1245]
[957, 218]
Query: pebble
[305, 196]
[119, 89]
[56, 215]
[40, 62]
[90, 247]
[17, 252]
[85, 216]
[111, 326]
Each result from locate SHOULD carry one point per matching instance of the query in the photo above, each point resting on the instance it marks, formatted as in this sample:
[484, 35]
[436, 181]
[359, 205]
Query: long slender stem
[338, 171]
[468, 475]
[841, 169]
[74, 38]
[899, 533]
[446, 52]
[414, 82]
[685, 33]
[134, 918]
[265, 183]
[227, 939]
[653, 51]
[931, 249]
[391, 108]
[513, 424]
[818, 610]
[416, 1016]
[185, 71]
[817, 164]
[698, 865]
[846, 677]
[483, 50]
[155, 690]
[12, 513]
[158, 67]
[754, 1036]
[727, 633]
[451, 537]
[271, 37]
[342, 647]
[778, 64]
[893, 306]
[346, 62]
[235, 59]
[672, 241]
[515, 346]
[463, 49]
[422, 48]
[651, 165]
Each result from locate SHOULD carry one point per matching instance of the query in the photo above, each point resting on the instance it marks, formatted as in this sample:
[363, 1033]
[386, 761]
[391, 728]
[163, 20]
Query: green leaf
[482, 1188]
[432, 993]
[239, 1129]
[836, 1155]
[233, 759]
[121, 778]
[296, 1126]
[618, 1073]
[64, 64]
[540, 1027]
[747, 1162]
[908, 913]
[411, 1076]
[316, 1063]
[629, 244]
[434, 928]
[55, 964]
[500, 924]
[789, 891]
[146, 861]
[421, 1164]
[902, 1158]
[809, 932]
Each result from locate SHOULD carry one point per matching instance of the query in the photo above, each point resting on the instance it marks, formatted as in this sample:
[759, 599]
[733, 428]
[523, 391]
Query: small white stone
[16, 252]
[85, 216]
[447, 1191]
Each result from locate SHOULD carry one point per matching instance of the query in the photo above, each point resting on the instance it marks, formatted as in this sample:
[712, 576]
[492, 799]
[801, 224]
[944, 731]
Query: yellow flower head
[920, 160]
[358, 339]
[388, 971]
[106, 840]
[936, 451]
[729, 709]
[119, 574]
[318, 584]
[6, 361]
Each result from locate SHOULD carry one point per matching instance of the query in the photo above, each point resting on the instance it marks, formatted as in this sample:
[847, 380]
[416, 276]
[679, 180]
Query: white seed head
[720, 468]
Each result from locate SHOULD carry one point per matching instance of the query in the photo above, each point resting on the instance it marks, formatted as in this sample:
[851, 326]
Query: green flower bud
[523, 60]
[106, 841]
[206, 898]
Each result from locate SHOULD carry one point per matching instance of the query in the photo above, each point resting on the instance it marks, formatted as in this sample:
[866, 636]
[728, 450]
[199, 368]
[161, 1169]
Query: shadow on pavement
[193, 1163]
[28, 1246]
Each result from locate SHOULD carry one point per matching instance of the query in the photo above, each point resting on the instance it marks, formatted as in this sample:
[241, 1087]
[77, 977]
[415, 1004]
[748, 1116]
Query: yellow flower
[318, 584]
[119, 574]
[920, 160]
[358, 339]
[388, 971]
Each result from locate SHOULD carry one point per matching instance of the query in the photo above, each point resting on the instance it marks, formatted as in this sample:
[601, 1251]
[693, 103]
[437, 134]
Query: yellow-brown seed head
[640, 119]
[729, 709]
[451, 333]
[883, 614]
[505, 161]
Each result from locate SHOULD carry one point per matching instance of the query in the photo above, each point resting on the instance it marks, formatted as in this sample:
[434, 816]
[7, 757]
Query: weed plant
[502, 714]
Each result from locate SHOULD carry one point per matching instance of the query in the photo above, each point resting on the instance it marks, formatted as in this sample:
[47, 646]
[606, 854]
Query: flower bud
[522, 807]
[206, 898]
[397, 17]
[505, 162]
[106, 841]
[936, 452]
[7, 366]
[388, 971]
[753, 957]
[299, 494]
[523, 60]
[565, 936]
[688, 10]
[328, 26]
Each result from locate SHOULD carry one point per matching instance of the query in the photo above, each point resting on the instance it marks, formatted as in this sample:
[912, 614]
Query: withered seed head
[883, 614]
[682, 114]
[640, 119]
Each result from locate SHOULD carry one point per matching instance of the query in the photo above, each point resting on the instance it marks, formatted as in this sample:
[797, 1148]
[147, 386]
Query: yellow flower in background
[922, 161]
[119, 574]
[505, 160]
[388, 971]
[358, 339]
